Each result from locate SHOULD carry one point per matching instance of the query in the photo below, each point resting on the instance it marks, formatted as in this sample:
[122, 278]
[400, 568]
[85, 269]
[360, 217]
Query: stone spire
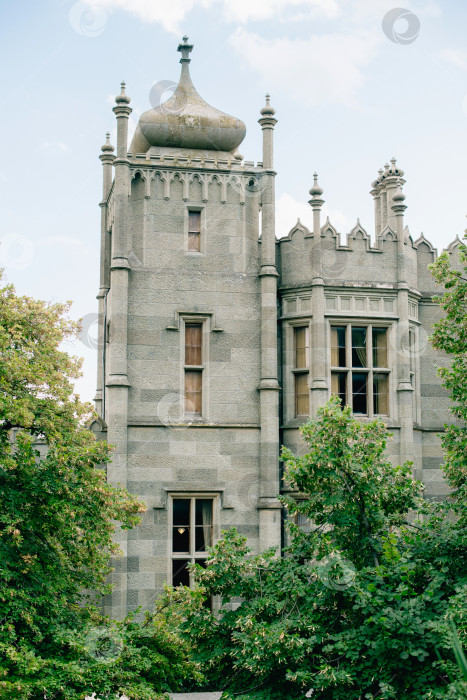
[268, 122]
[316, 203]
[185, 120]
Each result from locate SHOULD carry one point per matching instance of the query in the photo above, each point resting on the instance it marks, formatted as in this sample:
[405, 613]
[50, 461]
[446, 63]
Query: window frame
[195, 208]
[192, 556]
[370, 370]
[203, 321]
[300, 371]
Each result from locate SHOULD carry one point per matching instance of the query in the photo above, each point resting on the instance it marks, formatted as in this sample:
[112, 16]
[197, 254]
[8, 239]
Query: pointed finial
[122, 98]
[267, 109]
[185, 49]
[107, 145]
[316, 190]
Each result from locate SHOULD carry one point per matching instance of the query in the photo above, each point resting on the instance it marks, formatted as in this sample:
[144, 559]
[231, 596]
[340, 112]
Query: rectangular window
[194, 231]
[192, 534]
[193, 368]
[338, 346]
[301, 370]
[359, 368]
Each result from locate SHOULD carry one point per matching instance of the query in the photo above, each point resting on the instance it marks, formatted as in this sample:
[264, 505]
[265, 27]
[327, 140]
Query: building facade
[219, 336]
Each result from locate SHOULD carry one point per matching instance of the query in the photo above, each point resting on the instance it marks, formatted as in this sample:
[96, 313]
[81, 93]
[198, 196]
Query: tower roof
[185, 120]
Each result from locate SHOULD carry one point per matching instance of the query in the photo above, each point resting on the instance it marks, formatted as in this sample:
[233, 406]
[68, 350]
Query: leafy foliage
[450, 335]
[361, 604]
[57, 518]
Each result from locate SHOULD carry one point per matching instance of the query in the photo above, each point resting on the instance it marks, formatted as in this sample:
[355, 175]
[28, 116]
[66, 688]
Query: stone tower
[218, 340]
[187, 386]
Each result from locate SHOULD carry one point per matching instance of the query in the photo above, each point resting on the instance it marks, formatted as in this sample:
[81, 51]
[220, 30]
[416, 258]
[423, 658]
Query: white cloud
[55, 146]
[168, 13]
[328, 68]
[243, 11]
[456, 57]
[171, 13]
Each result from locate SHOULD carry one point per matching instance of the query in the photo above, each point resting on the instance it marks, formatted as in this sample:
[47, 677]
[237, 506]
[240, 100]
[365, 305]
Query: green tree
[450, 335]
[57, 518]
[361, 604]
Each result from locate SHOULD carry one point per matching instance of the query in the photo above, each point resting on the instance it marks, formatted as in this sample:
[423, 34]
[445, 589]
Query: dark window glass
[339, 386]
[181, 511]
[180, 575]
[203, 524]
[380, 394]
[358, 347]
[380, 347]
[338, 346]
[359, 392]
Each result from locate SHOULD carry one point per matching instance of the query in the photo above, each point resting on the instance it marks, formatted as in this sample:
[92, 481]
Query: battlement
[390, 257]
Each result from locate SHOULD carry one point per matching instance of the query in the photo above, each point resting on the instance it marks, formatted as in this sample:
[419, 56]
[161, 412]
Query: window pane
[181, 539]
[380, 394]
[301, 347]
[358, 347]
[338, 346]
[181, 511]
[301, 395]
[338, 386]
[380, 347]
[180, 575]
[193, 241]
[359, 393]
[194, 221]
[193, 391]
[203, 524]
[193, 341]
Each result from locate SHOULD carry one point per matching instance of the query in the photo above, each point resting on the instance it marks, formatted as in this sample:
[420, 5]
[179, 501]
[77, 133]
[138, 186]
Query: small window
[192, 534]
[194, 231]
[301, 370]
[359, 368]
[193, 369]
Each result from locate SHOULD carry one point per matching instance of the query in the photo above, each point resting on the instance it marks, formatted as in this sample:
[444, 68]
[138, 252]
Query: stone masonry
[245, 291]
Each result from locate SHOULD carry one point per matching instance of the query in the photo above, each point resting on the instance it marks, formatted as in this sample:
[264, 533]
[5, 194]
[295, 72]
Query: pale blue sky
[347, 99]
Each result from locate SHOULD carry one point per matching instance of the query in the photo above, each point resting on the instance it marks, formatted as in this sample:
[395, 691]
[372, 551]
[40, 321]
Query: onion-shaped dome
[186, 120]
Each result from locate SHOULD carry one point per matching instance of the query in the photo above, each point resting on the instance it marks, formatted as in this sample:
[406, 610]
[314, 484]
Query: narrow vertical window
[301, 370]
[192, 534]
[194, 231]
[193, 368]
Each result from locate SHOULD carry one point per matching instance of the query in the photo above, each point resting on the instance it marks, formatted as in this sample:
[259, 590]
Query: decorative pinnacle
[185, 49]
[316, 190]
[107, 147]
[122, 98]
[267, 109]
